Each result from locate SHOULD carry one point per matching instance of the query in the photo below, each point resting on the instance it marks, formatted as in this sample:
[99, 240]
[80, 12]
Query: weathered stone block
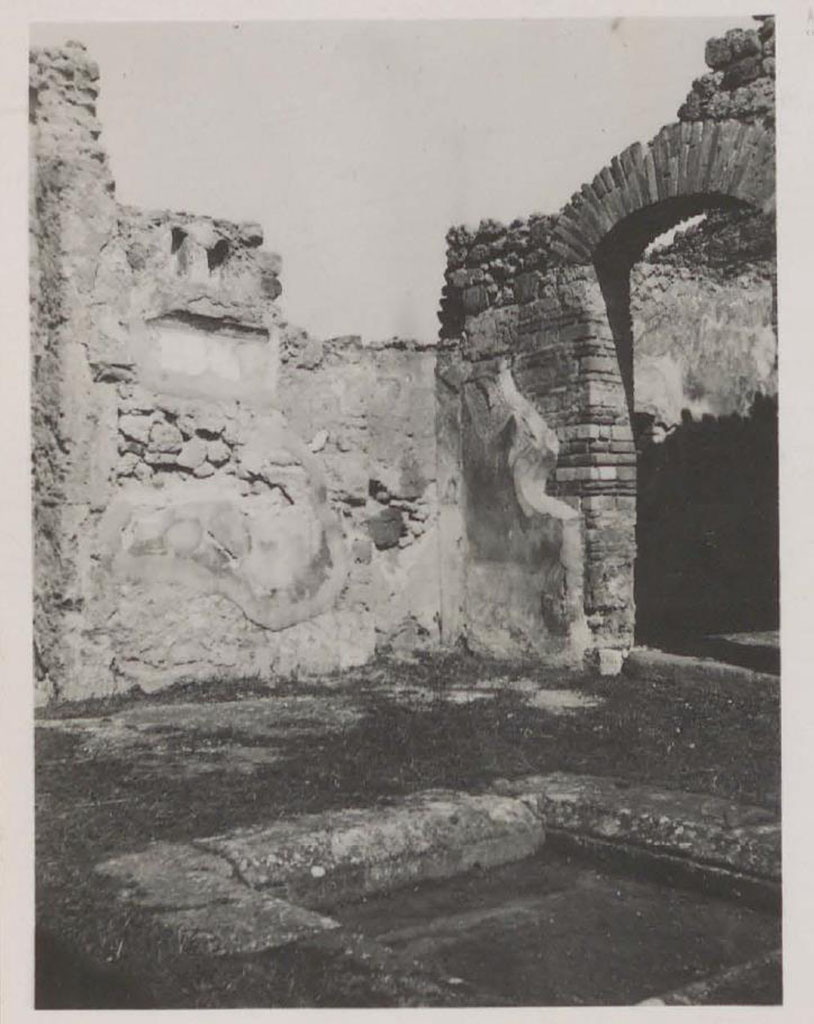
[610, 661]
[251, 234]
[475, 300]
[743, 71]
[311, 354]
[165, 437]
[362, 551]
[366, 850]
[192, 454]
[160, 458]
[743, 42]
[386, 528]
[209, 420]
[135, 427]
[718, 52]
[217, 452]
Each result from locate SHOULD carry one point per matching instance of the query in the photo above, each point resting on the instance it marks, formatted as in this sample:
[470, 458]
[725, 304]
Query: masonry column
[597, 464]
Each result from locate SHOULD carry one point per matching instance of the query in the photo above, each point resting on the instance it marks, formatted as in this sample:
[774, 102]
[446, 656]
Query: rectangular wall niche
[208, 357]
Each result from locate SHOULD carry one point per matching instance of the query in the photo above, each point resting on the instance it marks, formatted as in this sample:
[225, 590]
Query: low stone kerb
[320, 859]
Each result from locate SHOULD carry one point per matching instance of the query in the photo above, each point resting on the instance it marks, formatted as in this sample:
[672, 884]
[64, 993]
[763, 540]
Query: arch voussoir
[692, 159]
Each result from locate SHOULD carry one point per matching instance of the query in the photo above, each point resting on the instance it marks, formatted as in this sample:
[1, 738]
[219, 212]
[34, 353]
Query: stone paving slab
[200, 738]
[703, 828]
[197, 895]
[173, 875]
[256, 718]
[660, 666]
[321, 858]
[249, 925]
[769, 638]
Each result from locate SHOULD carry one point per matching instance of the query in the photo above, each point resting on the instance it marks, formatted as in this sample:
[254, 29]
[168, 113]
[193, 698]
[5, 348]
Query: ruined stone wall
[550, 302]
[369, 411]
[740, 83]
[216, 495]
[531, 400]
[494, 265]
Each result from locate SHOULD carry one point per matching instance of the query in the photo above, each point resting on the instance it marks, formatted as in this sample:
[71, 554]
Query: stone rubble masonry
[589, 339]
[740, 83]
[219, 494]
[726, 244]
[216, 493]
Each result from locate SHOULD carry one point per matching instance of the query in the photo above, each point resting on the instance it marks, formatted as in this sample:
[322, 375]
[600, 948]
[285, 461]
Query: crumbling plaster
[218, 494]
[562, 304]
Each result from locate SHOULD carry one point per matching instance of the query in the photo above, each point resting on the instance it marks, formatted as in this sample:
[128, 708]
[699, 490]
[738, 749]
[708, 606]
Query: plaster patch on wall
[222, 362]
[279, 565]
[523, 580]
[701, 344]
[533, 454]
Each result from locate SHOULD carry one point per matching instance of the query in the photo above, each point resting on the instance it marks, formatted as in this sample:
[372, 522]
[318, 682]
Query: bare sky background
[357, 144]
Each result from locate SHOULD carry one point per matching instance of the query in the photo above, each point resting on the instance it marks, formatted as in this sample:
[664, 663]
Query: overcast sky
[357, 144]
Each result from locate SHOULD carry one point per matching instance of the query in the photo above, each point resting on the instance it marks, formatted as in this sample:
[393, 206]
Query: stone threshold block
[700, 828]
[197, 895]
[319, 860]
[660, 666]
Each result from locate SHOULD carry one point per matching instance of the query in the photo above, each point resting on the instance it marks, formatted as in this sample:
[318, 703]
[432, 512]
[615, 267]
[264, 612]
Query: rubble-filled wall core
[220, 495]
[547, 301]
[216, 494]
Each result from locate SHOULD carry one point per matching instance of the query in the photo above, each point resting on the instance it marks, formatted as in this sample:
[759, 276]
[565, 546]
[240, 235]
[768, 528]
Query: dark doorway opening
[707, 535]
[707, 520]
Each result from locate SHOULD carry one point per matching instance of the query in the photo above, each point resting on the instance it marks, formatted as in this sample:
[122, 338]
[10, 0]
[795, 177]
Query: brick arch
[686, 168]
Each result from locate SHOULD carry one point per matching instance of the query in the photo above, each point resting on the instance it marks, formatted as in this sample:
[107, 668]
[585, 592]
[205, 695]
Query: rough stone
[251, 234]
[662, 666]
[743, 71]
[318, 441]
[718, 53]
[217, 452]
[428, 835]
[703, 828]
[743, 42]
[165, 437]
[209, 422]
[386, 528]
[192, 454]
[610, 661]
[137, 428]
[186, 424]
[196, 895]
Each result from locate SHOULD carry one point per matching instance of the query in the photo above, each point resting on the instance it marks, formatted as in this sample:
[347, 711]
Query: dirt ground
[119, 773]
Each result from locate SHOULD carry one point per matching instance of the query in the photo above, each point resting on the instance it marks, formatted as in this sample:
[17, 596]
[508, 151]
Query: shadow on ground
[449, 722]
